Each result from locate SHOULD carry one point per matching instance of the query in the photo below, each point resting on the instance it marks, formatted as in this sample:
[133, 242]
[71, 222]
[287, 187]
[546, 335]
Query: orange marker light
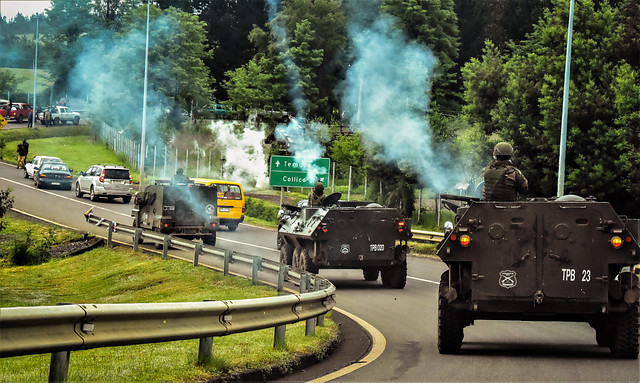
[453, 237]
[616, 242]
[465, 240]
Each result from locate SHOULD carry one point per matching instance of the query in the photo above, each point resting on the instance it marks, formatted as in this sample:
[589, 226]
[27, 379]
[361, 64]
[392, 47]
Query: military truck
[565, 259]
[186, 210]
[346, 235]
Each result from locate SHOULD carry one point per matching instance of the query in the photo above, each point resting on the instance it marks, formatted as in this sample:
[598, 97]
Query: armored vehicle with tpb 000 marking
[186, 211]
[346, 235]
[568, 259]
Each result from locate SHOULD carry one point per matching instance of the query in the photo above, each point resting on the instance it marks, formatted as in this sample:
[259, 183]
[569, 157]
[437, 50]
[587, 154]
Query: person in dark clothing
[30, 119]
[21, 156]
[502, 180]
[25, 146]
[180, 178]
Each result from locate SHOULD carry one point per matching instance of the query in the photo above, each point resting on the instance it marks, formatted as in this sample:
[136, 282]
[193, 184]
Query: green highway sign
[288, 171]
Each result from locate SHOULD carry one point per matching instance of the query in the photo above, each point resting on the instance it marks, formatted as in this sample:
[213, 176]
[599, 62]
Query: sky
[9, 8]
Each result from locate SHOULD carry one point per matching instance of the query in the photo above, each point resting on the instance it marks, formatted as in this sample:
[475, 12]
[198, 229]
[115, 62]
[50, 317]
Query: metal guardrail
[64, 328]
[427, 236]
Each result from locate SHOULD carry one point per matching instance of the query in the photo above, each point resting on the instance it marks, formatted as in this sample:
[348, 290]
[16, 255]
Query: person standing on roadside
[21, 156]
[25, 147]
[30, 119]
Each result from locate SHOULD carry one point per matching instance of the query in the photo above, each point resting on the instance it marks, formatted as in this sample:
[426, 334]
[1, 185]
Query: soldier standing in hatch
[317, 195]
[180, 178]
[502, 180]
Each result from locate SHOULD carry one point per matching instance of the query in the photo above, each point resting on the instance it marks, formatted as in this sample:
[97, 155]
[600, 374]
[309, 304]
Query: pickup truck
[60, 114]
[19, 111]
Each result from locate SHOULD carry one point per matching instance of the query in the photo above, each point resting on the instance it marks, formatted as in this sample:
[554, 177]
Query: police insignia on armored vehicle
[187, 211]
[346, 235]
[568, 259]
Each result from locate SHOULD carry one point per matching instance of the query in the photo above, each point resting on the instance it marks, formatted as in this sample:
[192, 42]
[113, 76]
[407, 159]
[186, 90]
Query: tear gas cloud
[245, 159]
[385, 97]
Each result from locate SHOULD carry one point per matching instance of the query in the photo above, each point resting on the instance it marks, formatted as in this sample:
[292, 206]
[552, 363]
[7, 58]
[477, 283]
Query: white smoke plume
[386, 98]
[245, 161]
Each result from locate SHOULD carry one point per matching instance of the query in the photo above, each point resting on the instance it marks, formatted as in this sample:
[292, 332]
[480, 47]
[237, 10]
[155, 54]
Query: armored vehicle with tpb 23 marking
[346, 235]
[186, 210]
[565, 259]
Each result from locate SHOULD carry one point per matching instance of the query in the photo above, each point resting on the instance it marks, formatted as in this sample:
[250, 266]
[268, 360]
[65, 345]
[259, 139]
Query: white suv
[104, 180]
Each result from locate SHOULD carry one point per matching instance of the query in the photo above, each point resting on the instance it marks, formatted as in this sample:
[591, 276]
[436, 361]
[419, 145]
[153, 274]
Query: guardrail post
[257, 266]
[205, 350]
[196, 253]
[282, 276]
[136, 238]
[228, 258]
[110, 234]
[59, 368]
[279, 341]
[166, 240]
[304, 280]
[318, 285]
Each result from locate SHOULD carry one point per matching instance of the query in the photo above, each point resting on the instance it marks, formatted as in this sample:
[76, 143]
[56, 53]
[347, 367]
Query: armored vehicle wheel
[296, 258]
[232, 227]
[395, 276]
[371, 274]
[286, 254]
[209, 239]
[450, 328]
[625, 336]
[306, 263]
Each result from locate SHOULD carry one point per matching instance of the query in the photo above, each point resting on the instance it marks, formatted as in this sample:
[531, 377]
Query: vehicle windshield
[116, 174]
[54, 160]
[55, 167]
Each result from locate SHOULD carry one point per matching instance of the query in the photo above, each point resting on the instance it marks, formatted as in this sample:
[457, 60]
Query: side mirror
[81, 173]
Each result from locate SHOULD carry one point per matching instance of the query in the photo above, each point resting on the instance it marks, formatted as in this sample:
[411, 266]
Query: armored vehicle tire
[286, 254]
[306, 263]
[126, 199]
[450, 328]
[395, 276]
[209, 239]
[371, 274]
[625, 336]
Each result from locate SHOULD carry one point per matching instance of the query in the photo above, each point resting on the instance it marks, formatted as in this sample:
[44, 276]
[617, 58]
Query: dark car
[53, 175]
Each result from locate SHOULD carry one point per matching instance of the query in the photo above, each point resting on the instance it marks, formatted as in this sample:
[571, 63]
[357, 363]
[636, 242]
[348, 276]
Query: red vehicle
[19, 111]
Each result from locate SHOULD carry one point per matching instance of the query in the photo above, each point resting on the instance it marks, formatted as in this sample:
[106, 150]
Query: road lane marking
[424, 280]
[65, 197]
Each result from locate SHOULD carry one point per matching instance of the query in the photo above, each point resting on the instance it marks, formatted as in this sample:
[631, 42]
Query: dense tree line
[498, 75]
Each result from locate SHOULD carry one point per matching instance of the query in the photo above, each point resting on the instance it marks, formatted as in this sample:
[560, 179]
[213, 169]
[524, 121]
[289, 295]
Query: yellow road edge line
[377, 348]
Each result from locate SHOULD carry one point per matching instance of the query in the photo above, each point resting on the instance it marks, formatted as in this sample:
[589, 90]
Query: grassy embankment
[123, 276]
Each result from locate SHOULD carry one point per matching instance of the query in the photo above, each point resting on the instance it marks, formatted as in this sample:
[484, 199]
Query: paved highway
[406, 319]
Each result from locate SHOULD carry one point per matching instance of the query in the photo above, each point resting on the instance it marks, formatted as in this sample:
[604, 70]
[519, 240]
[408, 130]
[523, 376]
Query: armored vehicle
[187, 211]
[346, 235]
[568, 259]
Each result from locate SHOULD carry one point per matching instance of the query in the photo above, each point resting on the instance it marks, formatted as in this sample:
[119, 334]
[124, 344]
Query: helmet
[180, 171]
[319, 188]
[503, 149]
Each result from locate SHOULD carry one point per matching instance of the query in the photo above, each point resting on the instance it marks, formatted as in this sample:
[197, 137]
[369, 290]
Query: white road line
[248, 244]
[423, 280]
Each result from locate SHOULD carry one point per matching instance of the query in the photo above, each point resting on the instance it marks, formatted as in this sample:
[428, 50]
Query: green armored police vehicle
[186, 210]
[346, 235]
[568, 259]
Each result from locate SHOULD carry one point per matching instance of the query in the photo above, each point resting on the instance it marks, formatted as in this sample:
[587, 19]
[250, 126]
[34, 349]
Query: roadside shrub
[260, 209]
[26, 251]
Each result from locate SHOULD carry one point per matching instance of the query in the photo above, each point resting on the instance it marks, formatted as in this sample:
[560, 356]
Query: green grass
[123, 276]
[79, 152]
[25, 82]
